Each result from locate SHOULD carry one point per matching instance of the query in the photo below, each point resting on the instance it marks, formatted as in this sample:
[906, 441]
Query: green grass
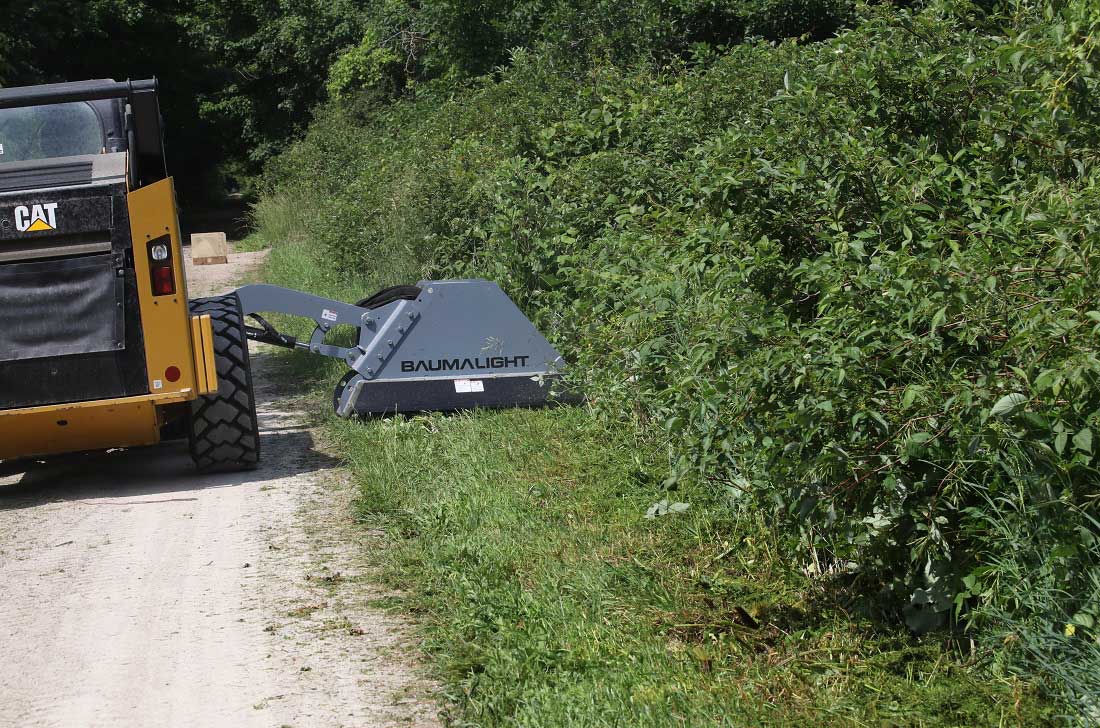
[544, 597]
[548, 599]
[277, 220]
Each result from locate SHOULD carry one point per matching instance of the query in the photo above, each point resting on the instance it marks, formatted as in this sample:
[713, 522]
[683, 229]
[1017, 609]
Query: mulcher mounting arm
[435, 346]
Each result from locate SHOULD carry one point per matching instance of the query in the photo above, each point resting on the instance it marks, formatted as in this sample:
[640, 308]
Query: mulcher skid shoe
[436, 346]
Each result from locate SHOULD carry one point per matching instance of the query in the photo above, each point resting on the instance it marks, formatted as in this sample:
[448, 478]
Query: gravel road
[136, 593]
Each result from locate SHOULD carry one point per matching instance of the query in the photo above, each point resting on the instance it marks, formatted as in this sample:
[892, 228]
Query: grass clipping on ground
[547, 597]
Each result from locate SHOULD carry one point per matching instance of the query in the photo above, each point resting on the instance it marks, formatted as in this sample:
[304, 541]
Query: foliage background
[244, 75]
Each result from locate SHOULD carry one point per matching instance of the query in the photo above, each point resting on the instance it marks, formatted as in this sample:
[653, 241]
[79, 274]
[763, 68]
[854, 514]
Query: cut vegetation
[550, 600]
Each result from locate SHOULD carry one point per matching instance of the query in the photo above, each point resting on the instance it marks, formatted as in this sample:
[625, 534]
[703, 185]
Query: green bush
[816, 19]
[404, 44]
[852, 284]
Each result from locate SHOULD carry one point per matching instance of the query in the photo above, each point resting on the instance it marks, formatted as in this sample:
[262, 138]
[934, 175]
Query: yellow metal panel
[206, 373]
[165, 320]
[200, 362]
[208, 355]
[108, 423]
[153, 399]
[68, 428]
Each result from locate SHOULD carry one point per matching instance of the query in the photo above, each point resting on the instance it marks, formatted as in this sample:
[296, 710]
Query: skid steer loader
[100, 346]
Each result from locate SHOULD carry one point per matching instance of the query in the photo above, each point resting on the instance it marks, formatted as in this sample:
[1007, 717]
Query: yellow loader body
[178, 351]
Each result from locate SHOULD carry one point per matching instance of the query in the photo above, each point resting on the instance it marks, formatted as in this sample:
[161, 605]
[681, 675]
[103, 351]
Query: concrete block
[209, 249]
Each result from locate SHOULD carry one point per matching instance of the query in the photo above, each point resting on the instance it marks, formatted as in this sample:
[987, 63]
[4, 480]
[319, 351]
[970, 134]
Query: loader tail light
[164, 283]
[160, 266]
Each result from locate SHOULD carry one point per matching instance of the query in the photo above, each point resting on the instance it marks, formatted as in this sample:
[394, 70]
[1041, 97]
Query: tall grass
[547, 598]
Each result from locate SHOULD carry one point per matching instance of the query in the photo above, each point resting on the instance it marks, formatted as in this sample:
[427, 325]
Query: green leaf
[1083, 440]
[1045, 380]
[910, 395]
[1083, 619]
[938, 319]
[1008, 404]
[664, 508]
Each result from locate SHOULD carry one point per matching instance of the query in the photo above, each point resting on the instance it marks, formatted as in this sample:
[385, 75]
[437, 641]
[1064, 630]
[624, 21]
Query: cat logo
[36, 218]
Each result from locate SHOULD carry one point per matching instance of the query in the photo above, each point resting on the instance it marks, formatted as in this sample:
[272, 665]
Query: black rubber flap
[61, 307]
[450, 395]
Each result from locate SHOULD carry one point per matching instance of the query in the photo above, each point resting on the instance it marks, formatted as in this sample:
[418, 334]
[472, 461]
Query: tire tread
[225, 432]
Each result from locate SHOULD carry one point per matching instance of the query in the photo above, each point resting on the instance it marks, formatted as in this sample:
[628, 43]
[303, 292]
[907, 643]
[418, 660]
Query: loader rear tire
[225, 432]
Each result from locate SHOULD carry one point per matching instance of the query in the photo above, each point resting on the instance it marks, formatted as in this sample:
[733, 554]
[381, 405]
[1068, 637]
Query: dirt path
[135, 593]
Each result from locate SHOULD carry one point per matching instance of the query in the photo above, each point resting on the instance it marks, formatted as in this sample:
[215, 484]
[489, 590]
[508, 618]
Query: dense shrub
[816, 19]
[405, 44]
[851, 283]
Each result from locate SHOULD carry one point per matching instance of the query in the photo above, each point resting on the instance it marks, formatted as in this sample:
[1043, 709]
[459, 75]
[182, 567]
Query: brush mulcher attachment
[435, 346]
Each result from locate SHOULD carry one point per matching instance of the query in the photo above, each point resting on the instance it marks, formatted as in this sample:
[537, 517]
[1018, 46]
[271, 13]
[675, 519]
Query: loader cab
[74, 129]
